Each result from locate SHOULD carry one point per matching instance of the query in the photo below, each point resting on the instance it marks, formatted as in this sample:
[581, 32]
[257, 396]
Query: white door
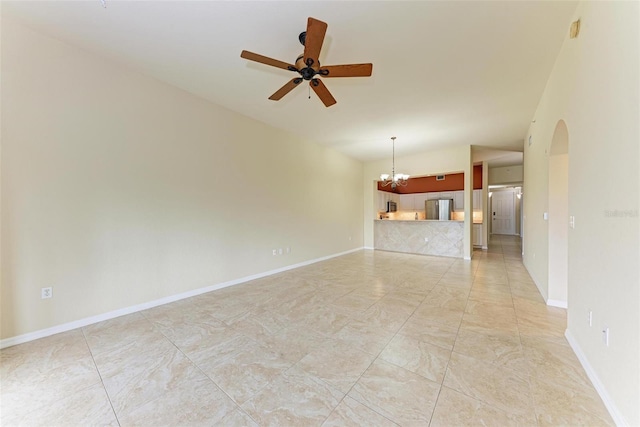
[503, 212]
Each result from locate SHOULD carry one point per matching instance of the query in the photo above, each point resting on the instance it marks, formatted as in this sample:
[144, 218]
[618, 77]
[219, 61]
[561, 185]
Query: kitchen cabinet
[412, 202]
[458, 200]
[477, 234]
[406, 202]
[384, 197]
[418, 201]
[477, 200]
[415, 201]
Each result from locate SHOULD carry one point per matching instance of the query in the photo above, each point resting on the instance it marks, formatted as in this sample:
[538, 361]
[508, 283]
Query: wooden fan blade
[323, 93]
[265, 60]
[314, 39]
[348, 70]
[285, 89]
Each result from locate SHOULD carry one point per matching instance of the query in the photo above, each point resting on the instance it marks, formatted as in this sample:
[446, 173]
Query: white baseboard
[557, 303]
[618, 418]
[369, 248]
[20, 339]
[535, 281]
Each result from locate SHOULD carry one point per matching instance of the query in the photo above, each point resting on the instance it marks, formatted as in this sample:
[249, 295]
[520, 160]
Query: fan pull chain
[309, 89]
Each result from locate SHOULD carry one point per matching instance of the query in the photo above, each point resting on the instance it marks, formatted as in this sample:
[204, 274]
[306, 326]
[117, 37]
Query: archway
[559, 216]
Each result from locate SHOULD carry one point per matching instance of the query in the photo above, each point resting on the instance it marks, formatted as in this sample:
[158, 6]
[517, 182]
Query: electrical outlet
[46, 292]
[590, 318]
[605, 335]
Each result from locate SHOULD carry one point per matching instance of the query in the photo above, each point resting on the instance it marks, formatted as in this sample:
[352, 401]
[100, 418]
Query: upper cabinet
[412, 202]
[477, 200]
[381, 201]
[418, 201]
[384, 197]
[406, 202]
[458, 200]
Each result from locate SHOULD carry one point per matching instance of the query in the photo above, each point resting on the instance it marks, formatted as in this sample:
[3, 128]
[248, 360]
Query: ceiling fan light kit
[395, 179]
[308, 65]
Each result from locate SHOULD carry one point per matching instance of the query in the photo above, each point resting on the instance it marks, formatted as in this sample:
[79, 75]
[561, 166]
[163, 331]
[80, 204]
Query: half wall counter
[424, 237]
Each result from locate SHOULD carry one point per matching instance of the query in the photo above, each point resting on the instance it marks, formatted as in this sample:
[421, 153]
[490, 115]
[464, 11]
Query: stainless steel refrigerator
[438, 209]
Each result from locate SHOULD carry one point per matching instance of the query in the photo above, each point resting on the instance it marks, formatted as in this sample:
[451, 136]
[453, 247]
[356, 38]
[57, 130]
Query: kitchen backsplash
[406, 215]
[409, 215]
[459, 216]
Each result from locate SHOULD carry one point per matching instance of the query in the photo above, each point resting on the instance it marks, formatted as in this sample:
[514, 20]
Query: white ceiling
[444, 73]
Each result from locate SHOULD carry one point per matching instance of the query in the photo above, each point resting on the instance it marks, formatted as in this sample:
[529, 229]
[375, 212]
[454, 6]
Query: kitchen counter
[416, 220]
[425, 237]
[425, 220]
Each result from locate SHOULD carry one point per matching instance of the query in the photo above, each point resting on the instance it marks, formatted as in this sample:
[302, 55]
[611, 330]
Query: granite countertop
[422, 220]
[415, 220]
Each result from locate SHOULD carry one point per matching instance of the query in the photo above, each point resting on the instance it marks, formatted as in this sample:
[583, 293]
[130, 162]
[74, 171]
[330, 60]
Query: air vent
[439, 177]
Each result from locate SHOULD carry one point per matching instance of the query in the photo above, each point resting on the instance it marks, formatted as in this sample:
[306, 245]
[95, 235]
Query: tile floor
[367, 339]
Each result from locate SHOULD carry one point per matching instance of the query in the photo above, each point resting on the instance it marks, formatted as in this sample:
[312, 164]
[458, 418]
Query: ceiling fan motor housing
[307, 71]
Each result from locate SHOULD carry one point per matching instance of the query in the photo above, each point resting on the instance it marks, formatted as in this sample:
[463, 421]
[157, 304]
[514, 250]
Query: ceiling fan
[308, 65]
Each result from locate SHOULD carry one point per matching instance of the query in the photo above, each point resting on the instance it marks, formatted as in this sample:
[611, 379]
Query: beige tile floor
[370, 338]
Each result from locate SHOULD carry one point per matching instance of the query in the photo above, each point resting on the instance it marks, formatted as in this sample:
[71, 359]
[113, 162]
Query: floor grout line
[106, 392]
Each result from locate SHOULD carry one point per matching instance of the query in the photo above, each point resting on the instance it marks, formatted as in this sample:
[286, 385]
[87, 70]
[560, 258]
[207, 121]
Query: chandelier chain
[394, 180]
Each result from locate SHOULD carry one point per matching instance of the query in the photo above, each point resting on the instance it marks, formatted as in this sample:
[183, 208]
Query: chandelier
[394, 179]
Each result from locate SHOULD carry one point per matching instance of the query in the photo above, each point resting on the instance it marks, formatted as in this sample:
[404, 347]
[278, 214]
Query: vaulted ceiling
[445, 72]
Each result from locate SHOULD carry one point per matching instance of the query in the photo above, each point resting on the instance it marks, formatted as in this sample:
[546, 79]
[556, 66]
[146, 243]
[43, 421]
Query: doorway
[503, 212]
[559, 216]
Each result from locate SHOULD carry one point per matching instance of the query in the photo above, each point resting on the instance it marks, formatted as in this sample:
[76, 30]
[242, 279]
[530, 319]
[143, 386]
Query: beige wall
[558, 228]
[594, 88]
[119, 189]
[505, 175]
[456, 159]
